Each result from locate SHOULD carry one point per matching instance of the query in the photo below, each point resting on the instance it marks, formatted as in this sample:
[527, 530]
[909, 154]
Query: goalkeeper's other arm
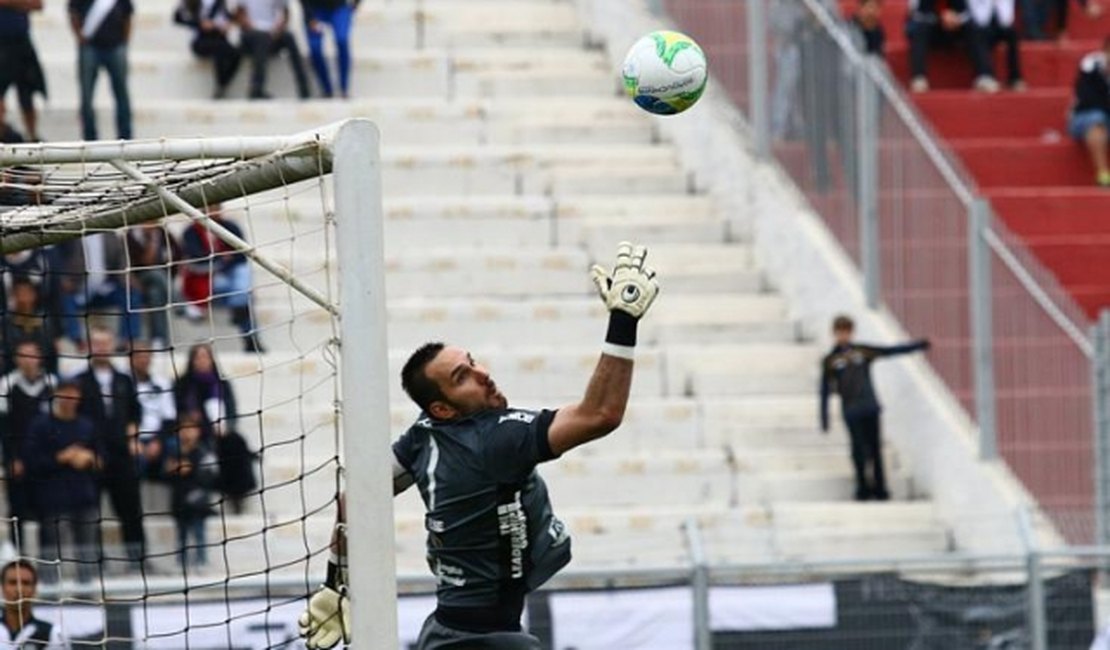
[327, 618]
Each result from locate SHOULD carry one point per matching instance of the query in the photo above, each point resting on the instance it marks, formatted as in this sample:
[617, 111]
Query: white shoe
[919, 85]
[192, 312]
[985, 84]
[1019, 86]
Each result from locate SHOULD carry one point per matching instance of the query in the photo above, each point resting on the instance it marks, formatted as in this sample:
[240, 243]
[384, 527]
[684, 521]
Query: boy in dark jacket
[847, 370]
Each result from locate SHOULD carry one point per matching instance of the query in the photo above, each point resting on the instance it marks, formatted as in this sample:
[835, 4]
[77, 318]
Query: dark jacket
[193, 493]
[847, 370]
[1092, 84]
[111, 429]
[58, 488]
[237, 460]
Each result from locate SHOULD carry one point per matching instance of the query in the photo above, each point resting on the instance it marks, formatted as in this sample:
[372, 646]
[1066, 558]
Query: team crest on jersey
[519, 416]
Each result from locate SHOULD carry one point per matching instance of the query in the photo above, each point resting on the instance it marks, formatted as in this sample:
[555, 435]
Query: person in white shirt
[159, 411]
[265, 33]
[994, 24]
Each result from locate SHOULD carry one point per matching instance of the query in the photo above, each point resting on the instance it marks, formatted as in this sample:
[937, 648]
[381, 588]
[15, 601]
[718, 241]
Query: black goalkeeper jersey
[492, 535]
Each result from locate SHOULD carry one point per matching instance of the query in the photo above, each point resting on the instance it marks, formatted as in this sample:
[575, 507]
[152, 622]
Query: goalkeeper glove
[631, 287]
[327, 619]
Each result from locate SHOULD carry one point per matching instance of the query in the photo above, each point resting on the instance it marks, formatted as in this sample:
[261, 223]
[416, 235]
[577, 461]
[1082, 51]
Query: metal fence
[1009, 343]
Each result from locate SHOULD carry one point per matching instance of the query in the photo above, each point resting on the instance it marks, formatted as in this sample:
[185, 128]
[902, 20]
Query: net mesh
[171, 434]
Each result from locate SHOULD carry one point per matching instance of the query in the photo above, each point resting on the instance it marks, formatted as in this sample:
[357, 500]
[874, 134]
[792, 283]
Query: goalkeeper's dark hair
[415, 380]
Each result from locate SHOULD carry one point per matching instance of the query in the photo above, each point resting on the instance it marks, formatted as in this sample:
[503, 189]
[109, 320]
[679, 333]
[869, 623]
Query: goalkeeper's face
[466, 385]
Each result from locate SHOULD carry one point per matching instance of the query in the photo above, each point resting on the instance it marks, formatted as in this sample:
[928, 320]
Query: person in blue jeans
[1089, 121]
[338, 14]
[102, 28]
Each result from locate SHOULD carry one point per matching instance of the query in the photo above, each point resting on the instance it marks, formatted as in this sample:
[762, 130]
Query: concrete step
[527, 227]
[443, 74]
[782, 369]
[689, 319]
[402, 121]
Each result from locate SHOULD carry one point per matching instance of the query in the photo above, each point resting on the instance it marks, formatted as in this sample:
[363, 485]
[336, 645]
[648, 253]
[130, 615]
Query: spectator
[94, 277]
[338, 14]
[1090, 114]
[847, 370]
[265, 33]
[211, 23]
[38, 266]
[1034, 15]
[109, 400]
[24, 395]
[148, 250]
[994, 24]
[929, 25]
[63, 459]
[214, 267]
[193, 472]
[156, 398]
[202, 389]
[19, 63]
[20, 582]
[102, 28]
[26, 321]
[868, 20]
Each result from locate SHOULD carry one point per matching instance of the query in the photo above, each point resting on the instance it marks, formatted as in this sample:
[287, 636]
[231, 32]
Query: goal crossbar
[257, 165]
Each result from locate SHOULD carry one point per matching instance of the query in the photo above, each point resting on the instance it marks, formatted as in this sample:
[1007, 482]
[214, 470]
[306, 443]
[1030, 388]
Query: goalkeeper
[492, 536]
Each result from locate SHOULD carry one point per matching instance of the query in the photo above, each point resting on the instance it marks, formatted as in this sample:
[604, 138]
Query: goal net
[178, 381]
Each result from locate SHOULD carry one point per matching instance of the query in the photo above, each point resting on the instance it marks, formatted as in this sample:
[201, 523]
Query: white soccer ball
[665, 72]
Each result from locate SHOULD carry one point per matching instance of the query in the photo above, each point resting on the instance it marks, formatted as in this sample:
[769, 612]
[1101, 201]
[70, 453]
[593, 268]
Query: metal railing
[1011, 345]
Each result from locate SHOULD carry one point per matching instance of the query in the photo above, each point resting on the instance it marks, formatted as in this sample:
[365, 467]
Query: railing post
[702, 636]
[980, 296]
[759, 115]
[867, 179]
[1100, 388]
[1038, 621]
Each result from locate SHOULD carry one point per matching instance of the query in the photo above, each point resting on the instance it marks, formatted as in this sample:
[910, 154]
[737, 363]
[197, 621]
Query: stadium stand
[1017, 149]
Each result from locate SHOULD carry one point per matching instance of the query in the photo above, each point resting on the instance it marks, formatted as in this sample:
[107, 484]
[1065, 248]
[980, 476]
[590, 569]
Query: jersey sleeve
[404, 451]
[517, 443]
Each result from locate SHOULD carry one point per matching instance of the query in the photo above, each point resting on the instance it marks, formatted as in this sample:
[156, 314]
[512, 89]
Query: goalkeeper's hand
[631, 287]
[327, 619]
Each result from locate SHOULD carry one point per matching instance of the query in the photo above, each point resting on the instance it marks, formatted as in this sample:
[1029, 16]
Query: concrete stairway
[510, 166]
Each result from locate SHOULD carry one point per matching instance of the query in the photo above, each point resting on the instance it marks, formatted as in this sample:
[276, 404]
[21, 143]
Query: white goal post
[65, 196]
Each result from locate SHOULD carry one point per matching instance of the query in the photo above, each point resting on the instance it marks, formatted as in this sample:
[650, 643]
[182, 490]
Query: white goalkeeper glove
[327, 619]
[631, 287]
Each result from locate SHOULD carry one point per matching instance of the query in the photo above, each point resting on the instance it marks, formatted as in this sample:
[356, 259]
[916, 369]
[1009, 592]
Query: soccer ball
[665, 72]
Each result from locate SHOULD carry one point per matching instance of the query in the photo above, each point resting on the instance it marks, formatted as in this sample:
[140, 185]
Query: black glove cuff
[332, 581]
[622, 328]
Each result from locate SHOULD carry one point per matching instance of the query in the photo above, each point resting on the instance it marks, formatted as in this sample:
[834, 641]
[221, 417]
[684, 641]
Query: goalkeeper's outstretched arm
[628, 292]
